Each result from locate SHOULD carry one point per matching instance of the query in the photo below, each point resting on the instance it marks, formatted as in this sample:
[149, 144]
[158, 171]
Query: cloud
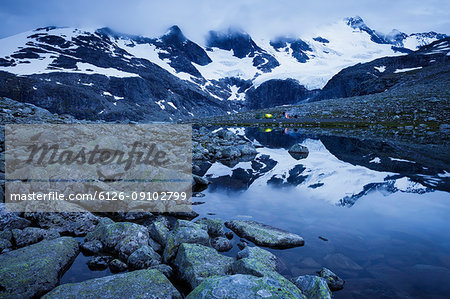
[261, 18]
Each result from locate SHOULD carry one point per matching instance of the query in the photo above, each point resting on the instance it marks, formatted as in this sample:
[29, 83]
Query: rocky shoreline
[154, 257]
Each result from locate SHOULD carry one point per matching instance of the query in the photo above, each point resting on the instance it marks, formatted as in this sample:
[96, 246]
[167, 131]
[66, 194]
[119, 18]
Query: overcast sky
[261, 18]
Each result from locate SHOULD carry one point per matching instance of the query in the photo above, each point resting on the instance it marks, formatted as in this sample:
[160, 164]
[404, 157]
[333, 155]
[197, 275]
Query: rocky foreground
[155, 257]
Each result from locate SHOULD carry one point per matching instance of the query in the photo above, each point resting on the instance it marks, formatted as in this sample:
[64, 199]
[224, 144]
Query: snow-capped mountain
[103, 74]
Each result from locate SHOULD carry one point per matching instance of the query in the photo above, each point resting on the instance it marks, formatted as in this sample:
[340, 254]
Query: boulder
[256, 254]
[31, 235]
[264, 235]
[335, 283]
[245, 286]
[121, 238]
[74, 224]
[135, 284]
[213, 226]
[117, 265]
[164, 269]
[221, 244]
[159, 230]
[5, 245]
[91, 247]
[98, 262]
[144, 257]
[184, 232]
[33, 270]
[313, 287]
[11, 220]
[196, 262]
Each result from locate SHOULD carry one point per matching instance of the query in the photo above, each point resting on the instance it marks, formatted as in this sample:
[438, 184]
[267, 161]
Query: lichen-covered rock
[117, 265]
[313, 287]
[255, 261]
[74, 224]
[196, 262]
[221, 244]
[245, 286]
[159, 230]
[164, 269]
[144, 257]
[264, 235]
[213, 226]
[31, 235]
[136, 284]
[5, 245]
[35, 269]
[184, 232]
[91, 247]
[122, 238]
[155, 245]
[335, 283]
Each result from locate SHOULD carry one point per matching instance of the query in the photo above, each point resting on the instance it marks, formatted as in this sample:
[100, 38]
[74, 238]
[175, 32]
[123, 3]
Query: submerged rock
[245, 286]
[264, 235]
[335, 283]
[33, 270]
[137, 284]
[196, 262]
[313, 287]
[184, 232]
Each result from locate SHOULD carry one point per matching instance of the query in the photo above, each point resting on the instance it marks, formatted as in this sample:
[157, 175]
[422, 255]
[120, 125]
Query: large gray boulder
[264, 235]
[195, 263]
[184, 232]
[245, 286]
[148, 283]
[31, 271]
[313, 287]
[121, 238]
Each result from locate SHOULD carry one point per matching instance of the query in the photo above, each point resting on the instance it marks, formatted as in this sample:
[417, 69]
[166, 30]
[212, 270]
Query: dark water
[388, 238]
[386, 219]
